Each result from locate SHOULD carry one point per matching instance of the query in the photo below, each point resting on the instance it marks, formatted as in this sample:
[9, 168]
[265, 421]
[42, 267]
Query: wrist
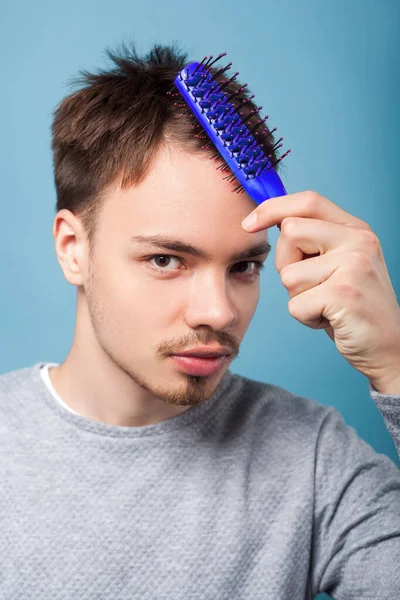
[388, 385]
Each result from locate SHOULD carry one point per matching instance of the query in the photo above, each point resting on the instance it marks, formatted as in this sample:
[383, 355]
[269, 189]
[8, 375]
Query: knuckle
[311, 201]
[286, 276]
[360, 261]
[293, 309]
[347, 290]
[364, 225]
[370, 240]
[288, 225]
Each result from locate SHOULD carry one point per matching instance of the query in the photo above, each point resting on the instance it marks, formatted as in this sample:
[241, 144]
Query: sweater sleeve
[389, 405]
[356, 533]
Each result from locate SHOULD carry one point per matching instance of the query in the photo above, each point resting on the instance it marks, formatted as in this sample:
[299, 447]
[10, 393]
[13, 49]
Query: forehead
[183, 195]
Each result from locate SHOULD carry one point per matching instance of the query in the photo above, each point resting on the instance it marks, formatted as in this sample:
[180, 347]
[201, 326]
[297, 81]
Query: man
[134, 471]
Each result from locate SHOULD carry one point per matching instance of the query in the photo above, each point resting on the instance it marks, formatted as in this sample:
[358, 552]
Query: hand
[333, 267]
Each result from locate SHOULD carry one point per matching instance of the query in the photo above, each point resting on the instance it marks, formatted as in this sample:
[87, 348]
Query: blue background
[327, 72]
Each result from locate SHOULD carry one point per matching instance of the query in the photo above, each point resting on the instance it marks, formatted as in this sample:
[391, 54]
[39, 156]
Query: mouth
[205, 352]
[199, 365]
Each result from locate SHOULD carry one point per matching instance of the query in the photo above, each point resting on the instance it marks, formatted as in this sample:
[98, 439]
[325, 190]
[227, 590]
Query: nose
[210, 304]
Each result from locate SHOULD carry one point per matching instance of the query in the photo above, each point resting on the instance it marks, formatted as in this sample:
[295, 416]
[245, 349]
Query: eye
[257, 266]
[164, 260]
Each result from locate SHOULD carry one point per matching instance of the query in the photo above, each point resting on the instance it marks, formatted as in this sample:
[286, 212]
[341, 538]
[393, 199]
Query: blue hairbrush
[223, 123]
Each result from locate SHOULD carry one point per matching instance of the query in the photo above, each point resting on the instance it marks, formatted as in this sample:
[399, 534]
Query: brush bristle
[233, 134]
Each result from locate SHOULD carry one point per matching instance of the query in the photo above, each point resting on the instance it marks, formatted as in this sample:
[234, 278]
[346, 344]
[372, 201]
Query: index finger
[301, 204]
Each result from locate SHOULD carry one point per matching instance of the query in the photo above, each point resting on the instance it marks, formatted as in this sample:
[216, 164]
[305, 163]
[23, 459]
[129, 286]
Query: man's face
[143, 308]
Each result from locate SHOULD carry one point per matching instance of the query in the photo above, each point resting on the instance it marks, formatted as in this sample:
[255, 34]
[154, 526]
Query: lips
[205, 352]
[208, 355]
[200, 366]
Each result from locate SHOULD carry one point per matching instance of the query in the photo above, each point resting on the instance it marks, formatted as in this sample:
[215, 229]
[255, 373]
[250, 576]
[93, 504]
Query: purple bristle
[214, 61]
[238, 136]
[221, 71]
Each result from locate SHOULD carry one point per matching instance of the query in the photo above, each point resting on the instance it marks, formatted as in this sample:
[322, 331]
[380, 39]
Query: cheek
[245, 300]
[248, 304]
[132, 299]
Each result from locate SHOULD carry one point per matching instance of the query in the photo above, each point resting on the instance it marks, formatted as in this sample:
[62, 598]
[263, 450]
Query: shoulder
[270, 409]
[296, 427]
[19, 383]
[278, 402]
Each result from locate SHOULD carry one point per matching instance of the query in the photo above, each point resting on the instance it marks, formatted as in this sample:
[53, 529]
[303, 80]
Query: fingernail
[249, 221]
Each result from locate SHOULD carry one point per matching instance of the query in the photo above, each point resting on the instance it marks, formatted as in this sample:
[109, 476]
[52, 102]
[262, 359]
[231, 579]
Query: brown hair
[112, 126]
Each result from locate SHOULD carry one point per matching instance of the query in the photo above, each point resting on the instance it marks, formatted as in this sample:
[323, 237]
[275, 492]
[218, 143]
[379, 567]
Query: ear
[71, 245]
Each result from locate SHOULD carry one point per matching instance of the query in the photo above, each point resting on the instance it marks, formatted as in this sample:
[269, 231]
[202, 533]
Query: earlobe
[69, 241]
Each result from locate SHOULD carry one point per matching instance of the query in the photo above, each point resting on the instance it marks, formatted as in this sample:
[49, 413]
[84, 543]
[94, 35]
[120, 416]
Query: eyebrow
[165, 242]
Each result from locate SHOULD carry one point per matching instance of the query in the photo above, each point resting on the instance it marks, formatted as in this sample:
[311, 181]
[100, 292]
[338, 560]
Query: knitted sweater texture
[257, 494]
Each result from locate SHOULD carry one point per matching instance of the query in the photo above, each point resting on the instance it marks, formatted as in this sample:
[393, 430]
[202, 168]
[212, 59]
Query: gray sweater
[257, 494]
